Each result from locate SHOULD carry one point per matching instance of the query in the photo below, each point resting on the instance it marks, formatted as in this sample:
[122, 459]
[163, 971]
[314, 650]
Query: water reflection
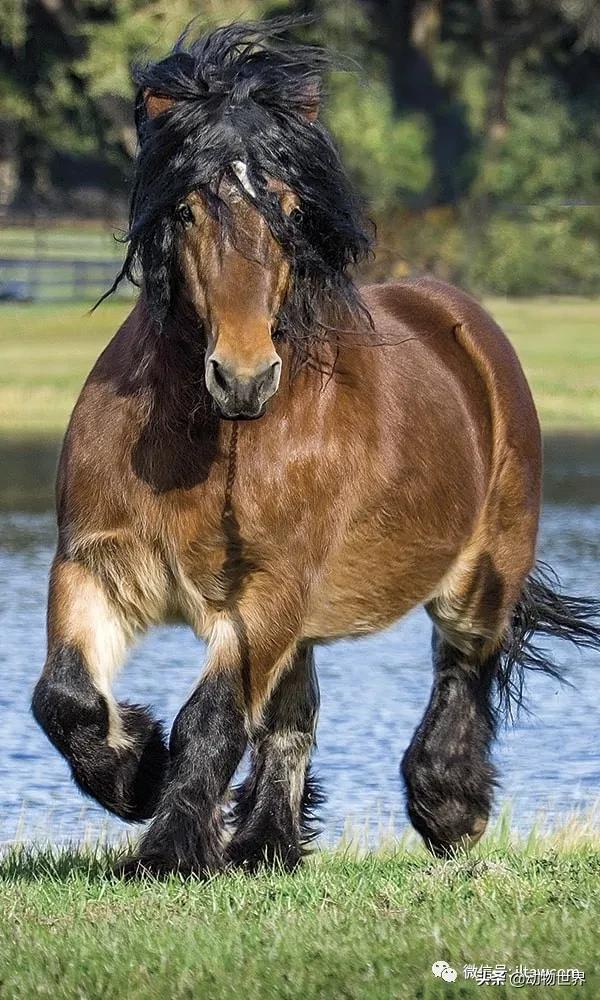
[572, 471]
[373, 690]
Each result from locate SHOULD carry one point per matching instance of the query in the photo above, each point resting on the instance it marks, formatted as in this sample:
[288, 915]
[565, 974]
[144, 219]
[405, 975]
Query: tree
[409, 32]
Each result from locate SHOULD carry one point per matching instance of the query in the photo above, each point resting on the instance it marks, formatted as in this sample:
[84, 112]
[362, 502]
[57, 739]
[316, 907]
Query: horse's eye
[185, 215]
[296, 215]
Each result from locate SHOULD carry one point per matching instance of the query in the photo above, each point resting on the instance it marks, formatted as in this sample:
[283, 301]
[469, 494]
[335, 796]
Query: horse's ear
[155, 102]
[310, 102]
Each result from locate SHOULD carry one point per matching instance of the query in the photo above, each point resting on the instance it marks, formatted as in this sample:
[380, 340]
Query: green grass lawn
[558, 341]
[343, 927]
[46, 352]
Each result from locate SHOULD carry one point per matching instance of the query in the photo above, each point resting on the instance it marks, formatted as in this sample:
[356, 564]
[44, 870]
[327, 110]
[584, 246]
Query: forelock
[236, 107]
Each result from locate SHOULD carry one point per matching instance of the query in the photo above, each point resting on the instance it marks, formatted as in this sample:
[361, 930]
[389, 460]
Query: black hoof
[155, 867]
[253, 854]
[454, 843]
[448, 803]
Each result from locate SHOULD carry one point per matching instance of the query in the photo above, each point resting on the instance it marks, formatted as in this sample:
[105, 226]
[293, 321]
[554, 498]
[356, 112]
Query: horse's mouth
[243, 414]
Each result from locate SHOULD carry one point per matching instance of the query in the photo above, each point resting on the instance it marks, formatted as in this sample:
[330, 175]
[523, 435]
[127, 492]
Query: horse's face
[236, 277]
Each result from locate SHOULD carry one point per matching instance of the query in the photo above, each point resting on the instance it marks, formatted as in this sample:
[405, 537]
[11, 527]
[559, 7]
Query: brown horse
[396, 462]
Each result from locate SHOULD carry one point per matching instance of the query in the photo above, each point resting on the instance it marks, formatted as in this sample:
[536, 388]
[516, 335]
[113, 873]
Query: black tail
[543, 611]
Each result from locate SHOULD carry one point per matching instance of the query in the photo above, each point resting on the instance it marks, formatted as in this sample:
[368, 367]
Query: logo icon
[442, 970]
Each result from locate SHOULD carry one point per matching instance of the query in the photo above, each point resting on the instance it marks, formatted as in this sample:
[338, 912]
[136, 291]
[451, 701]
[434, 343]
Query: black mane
[241, 93]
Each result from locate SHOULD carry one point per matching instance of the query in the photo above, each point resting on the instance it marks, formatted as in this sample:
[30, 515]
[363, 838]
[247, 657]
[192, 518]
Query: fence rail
[57, 279]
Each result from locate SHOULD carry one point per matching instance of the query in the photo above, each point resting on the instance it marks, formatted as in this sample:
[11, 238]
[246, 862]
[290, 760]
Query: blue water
[373, 694]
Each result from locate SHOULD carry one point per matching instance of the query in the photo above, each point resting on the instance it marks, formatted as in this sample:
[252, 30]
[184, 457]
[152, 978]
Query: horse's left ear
[149, 104]
[310, 102]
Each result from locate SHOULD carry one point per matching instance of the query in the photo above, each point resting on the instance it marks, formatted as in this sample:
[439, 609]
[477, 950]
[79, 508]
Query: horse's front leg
[116, 752]
[207, 742]
[275, 804]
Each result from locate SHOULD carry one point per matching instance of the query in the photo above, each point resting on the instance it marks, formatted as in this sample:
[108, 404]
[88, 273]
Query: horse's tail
[543, 610]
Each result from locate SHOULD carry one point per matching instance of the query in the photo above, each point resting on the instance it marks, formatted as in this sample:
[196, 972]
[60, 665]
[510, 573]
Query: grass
[46, 352]
[345, 926]
[558, 342]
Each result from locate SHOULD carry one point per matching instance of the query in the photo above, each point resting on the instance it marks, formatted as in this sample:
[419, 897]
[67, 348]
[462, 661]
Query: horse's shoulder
[427, 306]
[418, 300]
[103, 423]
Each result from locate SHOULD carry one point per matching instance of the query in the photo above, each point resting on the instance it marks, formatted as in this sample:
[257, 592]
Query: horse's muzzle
[241, 397]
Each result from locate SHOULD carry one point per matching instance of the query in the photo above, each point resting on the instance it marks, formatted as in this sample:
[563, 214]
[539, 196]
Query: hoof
[252, 856]
[446, 848]
[147, 867]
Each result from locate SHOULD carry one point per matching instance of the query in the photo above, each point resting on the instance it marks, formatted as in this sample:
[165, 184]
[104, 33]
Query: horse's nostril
[272, 372]
[219, 375]
[242, 393]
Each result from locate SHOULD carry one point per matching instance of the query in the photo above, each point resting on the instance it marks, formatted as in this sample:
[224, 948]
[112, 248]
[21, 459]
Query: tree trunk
[409, 30]
[9, 163]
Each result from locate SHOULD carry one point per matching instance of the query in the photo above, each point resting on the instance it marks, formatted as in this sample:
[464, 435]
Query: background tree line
[472, 127]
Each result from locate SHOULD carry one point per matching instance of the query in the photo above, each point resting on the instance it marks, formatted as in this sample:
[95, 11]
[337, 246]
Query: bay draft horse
[397, 463]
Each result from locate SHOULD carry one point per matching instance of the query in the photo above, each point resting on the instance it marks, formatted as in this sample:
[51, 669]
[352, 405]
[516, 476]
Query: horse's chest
[213, 557]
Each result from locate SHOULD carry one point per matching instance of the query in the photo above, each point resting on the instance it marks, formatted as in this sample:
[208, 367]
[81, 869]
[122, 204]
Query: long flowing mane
[242, 93]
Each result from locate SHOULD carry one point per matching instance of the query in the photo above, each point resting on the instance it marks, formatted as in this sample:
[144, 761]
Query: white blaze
[241, 172]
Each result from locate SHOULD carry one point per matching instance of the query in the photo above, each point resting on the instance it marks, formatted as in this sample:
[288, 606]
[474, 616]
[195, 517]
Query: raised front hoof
[253, 855]
[142, 765]
[123, 762]
[132, 868]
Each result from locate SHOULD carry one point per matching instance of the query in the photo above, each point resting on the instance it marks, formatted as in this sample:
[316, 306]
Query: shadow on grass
[24, 863]
[573, 833]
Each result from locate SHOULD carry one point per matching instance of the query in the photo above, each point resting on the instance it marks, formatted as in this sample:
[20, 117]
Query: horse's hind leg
[447, 770]
[116, 752]
[275, 803]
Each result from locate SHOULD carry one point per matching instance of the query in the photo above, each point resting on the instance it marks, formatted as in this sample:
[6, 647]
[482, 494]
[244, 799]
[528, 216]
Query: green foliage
[386, 155]
[527, 100]
[523, 255]
[15, 104]
[545, 158]
[13, 22]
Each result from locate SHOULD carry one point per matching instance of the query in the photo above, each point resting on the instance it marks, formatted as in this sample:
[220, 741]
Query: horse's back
[438, 314]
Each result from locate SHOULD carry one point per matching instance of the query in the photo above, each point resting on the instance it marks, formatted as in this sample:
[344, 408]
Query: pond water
[373, 690]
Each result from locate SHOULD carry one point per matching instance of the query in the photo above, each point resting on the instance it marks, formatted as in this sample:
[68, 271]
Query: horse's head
[242, 216]
[236, 277]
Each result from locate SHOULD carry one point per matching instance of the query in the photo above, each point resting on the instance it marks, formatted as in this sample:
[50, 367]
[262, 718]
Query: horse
[280, 459]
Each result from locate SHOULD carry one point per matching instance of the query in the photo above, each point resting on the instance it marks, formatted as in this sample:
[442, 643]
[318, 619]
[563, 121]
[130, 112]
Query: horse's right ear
[155, 102]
